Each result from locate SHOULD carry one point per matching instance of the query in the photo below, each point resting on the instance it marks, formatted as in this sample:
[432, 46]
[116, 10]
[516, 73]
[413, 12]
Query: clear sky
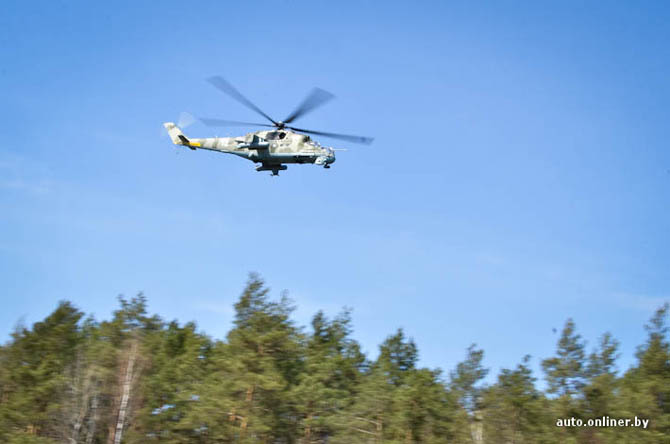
[520, 173]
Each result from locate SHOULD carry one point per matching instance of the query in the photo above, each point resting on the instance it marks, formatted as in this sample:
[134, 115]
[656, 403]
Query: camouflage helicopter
[273, 148]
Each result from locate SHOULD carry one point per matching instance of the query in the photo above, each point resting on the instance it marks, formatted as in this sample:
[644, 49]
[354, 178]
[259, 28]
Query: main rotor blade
[221, 122]
[314, 99]
[347, 137]
[221, 84]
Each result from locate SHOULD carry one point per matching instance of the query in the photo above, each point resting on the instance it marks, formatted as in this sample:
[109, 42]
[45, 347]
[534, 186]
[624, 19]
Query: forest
[137, 378]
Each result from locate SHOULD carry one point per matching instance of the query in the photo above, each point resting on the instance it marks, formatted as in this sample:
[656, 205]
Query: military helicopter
[271, 149]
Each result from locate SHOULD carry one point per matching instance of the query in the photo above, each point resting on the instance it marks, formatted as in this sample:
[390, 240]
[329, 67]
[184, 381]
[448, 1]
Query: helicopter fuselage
[270, 149]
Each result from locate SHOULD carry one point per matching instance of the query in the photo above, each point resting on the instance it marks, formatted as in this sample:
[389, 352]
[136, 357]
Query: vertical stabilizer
[178, 138]
[175, 133]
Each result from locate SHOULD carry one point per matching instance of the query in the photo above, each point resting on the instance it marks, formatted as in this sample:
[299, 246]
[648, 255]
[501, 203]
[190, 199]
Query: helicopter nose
[330, 159]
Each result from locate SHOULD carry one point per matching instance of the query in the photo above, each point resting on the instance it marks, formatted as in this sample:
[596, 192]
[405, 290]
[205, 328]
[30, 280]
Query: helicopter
[270, 149]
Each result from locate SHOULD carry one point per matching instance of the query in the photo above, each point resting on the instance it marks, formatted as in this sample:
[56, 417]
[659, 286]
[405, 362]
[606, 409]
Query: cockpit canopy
[281, 135]
[275, 135]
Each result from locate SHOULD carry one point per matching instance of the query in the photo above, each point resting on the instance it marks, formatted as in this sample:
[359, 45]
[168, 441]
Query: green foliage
[467, 376]
[178, 363]
[645, 388]
[35, 375]
[396, 402]
[136, 377]
[330, 377]
[601, 384]
[565, 372]
[514, 410]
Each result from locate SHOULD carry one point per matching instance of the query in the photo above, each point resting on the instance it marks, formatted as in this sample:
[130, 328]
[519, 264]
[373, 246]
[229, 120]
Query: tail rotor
[184, 121]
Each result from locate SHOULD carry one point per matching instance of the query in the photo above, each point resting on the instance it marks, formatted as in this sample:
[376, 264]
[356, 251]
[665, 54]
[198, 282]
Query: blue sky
[520, 173]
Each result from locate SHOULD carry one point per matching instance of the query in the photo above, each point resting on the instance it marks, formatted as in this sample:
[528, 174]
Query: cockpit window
[277, 135]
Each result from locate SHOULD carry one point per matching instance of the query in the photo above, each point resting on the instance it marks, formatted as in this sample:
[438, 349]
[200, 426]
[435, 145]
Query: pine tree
[35, 380]
[171, 382]
[130, 326]
[399, 403]
[565, 372]
[374, 414]
[600, 389]
[92, 382]
[426, 412]
[514, 410]
[329, 379]
[645, 388]
[254, 373]
[367, 419]
[466, 385]
[467, 376]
